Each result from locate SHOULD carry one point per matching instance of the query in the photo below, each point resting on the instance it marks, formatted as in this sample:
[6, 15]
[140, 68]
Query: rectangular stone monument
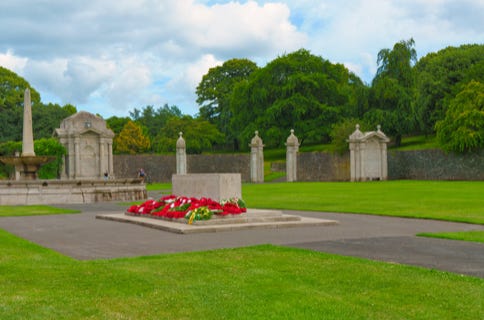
[217, 186]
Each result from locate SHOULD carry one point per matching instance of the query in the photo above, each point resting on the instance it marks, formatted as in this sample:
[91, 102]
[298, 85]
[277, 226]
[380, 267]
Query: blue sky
[112, 56]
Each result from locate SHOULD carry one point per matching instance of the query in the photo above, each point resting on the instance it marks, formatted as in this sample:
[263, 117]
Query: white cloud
[111, 56]
[247, 29]
[128, 84]
[126, 53]
[184, 85]
[10, 61]
[193, 73]
[354, 30]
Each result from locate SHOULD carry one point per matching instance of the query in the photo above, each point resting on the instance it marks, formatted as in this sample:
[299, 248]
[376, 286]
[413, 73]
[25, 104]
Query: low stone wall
[70, 191]
[312, 166]
[323, 166]
[435, 165]
[160, 168]
[220, 163]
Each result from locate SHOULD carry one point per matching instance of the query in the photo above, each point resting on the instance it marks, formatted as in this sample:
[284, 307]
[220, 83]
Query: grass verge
[460, 201]
[33, 210]
[474, 236]
[158, 186]
[262, 282]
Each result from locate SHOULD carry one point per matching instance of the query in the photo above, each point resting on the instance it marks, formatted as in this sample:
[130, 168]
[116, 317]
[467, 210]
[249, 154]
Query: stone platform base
[70, 191]
[252, 219]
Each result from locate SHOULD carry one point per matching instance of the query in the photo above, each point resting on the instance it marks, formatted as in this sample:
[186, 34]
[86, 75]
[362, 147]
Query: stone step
[251, 216]
[221, 224]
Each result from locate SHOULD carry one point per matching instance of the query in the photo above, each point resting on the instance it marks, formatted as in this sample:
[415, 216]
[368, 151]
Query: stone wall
[435, 165]
[220, 163]
[323, 166]
[160, 168]
[312, 166]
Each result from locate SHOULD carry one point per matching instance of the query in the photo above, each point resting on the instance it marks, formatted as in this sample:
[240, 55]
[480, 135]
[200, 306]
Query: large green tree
[440, 76]
[154, 119]
[215, 90]
[12, 88]
[392, 90]
[131, 140]
[297, 91]
[462, 129]
[116, 124]
[45, 117]
[200, 135]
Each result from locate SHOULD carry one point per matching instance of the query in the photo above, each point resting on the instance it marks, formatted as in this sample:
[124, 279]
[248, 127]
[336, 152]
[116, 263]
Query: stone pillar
[383, 157]
[181, 155]
[64, 160]
[292, 148]
[110, 160]
[28, 137]
[256, 159]
[102, 158]
[77, 159]
[17, 172]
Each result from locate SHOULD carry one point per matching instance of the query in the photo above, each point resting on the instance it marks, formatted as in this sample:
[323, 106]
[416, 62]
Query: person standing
[141, 174]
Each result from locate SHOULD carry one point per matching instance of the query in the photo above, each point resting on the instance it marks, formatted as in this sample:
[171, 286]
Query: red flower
[172, 206]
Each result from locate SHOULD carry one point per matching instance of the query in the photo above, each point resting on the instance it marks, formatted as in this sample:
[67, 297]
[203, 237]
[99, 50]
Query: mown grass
[262, 282]
[33, 210]
[418, 143]
[157, 186]
[474, 236]
[460, 201]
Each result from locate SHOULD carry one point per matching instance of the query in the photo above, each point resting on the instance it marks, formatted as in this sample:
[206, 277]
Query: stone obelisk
[28, 137]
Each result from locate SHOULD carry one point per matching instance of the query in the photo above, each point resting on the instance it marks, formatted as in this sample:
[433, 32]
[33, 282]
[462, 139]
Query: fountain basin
[70, 191]
[27, 166]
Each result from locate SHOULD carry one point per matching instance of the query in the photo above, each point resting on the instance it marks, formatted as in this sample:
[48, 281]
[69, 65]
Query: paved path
[82, 236]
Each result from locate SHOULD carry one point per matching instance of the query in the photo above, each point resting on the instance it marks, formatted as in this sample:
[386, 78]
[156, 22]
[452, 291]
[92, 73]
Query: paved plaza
[389, 239]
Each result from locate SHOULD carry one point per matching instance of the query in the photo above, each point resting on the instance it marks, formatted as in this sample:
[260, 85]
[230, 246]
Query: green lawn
[417, 143]
[34, 210]
[262, 282]
[158, 186]
[475, 236]
[461, 201]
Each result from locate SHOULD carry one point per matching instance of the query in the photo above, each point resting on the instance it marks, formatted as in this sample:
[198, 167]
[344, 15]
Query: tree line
[440, 94]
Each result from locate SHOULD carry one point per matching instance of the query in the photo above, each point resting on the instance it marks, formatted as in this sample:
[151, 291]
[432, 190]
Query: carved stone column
[181, 155]
[256, 159]
[292, 148]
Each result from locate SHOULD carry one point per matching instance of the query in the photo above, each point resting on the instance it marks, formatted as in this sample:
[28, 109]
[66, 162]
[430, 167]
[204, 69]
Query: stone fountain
[27, 164]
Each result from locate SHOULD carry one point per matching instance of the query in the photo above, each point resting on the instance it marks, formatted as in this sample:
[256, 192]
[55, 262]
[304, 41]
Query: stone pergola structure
[89, 145]
[368, 155]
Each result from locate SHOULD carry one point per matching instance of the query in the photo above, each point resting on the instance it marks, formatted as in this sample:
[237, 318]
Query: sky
[111, 56]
